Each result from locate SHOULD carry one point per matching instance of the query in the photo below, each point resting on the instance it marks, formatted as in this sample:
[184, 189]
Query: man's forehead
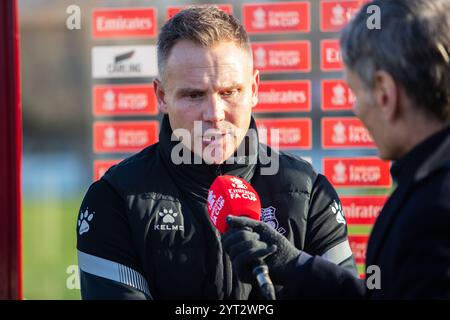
[186, 54]
[350, 77]
[197, 72]
[201, 77]
[196, 66]
[205, 69]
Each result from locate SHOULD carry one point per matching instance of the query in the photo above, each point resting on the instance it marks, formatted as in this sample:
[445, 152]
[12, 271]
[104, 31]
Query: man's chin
[213, 159]
[215, 156]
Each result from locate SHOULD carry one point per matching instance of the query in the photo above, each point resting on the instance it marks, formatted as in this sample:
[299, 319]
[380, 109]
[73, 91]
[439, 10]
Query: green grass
[49, 248]
[357, 229]
[361, 269]
[364, 191]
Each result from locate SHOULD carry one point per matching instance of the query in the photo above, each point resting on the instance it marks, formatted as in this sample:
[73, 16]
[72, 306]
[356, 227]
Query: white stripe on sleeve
[338, 253]
[113, 271]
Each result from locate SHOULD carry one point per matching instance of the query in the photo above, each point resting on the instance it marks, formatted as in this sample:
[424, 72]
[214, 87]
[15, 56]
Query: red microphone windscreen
[229, 195]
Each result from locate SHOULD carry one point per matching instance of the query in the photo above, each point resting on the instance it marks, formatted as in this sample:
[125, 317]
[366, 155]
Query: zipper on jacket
[219, 170]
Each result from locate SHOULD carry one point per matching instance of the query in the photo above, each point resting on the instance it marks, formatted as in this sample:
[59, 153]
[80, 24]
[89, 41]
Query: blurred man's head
[207, 78]
[400, 73]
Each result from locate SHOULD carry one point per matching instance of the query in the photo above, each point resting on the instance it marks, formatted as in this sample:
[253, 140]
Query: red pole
[10, 154]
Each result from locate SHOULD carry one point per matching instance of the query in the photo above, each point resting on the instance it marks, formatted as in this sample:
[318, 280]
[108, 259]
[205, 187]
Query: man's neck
[417, 130]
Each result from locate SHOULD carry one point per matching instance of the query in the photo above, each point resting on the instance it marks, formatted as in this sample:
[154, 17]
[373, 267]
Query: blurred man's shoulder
[135, 169]
[291, 170]
[289, 159]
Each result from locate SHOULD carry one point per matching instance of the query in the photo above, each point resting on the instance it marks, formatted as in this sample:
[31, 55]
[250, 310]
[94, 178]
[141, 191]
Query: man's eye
[195, 95]
[229, 93]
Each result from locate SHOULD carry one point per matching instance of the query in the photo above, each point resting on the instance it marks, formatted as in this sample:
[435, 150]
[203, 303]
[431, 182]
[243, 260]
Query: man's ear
[160, 96]
[386, 95]
[255, 86]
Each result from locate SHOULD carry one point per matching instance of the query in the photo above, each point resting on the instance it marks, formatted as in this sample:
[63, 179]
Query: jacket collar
[439, 158]
[421, 162]
[196, 176]
[424, 159]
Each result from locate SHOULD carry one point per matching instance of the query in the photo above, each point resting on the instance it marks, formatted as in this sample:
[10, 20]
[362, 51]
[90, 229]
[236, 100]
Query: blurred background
[58, 151]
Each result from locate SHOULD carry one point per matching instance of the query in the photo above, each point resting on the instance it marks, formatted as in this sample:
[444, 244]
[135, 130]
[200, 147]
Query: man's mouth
[213, 137]
[209, 137]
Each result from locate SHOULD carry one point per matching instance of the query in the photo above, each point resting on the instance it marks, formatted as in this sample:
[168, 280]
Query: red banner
[358, 244]
[124, 23]
[330, 59]
[345, 132]
[124, 136]
[293, 133]
[336, 95]
[334, 15]
[287, 56]
[116, 100]
[276, 17]
[101, 166]
[284, 96]
[173, 10]
[357, 172]
[362, 209]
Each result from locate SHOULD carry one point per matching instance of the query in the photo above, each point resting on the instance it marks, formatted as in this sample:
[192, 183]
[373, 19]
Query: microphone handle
[261, 272]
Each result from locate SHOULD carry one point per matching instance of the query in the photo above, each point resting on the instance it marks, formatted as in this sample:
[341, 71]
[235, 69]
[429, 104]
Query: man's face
[213, 88]
[366, 109]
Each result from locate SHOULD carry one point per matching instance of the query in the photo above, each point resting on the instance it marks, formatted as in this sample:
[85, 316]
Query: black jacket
[410, 241]
[144, 231]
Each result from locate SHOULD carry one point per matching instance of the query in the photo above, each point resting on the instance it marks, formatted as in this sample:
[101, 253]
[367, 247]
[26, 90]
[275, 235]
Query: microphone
[230, 195]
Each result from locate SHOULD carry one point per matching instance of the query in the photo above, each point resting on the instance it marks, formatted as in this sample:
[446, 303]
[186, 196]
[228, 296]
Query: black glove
[249, 240]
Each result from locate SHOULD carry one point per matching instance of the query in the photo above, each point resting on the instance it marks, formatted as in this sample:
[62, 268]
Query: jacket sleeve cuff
[303, 259]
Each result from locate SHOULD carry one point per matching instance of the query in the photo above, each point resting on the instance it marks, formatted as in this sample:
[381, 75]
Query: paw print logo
[337, 210]
[168, 215]
[83, 221]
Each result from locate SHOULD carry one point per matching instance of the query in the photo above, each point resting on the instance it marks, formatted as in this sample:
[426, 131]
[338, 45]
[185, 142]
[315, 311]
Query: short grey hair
[204, 26]
[413, 46]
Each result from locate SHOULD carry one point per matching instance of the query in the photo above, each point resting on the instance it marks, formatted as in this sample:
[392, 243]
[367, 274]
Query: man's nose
[214, 109]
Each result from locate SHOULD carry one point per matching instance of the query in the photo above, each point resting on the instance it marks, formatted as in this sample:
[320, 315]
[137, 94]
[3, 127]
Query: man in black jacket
[400, 75]
[143, 229]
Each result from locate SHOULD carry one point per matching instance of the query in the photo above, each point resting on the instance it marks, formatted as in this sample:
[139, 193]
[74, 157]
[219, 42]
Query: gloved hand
[249, 240]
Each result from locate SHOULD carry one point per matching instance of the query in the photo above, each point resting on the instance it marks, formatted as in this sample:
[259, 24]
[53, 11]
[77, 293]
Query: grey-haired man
[400, 75]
